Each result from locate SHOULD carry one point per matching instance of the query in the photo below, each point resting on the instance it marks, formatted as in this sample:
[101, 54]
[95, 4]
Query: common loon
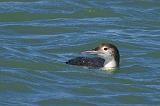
[108, 57]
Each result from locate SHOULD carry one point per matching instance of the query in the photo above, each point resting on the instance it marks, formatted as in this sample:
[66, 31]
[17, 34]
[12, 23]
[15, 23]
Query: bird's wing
[85, 61]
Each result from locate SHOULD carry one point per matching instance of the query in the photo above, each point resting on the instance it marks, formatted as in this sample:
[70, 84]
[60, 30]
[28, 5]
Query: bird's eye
[105, 49]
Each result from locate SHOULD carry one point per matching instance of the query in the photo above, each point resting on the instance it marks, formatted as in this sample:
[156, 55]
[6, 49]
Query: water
[38, 36]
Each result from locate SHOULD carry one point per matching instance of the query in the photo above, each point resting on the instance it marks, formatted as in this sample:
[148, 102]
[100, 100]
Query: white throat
[110, 64]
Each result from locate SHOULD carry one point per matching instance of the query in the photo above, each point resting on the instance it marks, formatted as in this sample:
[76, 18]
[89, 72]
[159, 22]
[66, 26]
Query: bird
[108, 57]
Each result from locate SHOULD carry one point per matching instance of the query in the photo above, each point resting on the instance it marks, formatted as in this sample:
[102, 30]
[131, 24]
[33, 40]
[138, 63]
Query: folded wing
[85, 61]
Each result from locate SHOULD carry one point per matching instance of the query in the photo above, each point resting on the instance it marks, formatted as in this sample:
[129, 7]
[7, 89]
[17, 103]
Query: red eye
[105, 49]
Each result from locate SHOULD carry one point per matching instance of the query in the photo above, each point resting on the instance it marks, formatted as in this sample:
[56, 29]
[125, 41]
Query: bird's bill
[90, 52]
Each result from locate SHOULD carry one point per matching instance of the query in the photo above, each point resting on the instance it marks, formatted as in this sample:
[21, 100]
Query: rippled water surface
[38, 36]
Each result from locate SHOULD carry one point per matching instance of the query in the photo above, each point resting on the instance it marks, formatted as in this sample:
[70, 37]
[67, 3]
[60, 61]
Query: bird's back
[88, 62]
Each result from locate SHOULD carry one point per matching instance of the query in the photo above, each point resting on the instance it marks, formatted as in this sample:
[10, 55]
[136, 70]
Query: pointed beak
[93, 51]
[90, 52]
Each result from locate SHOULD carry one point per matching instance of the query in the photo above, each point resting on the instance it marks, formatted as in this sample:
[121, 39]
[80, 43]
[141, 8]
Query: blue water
[38, 36]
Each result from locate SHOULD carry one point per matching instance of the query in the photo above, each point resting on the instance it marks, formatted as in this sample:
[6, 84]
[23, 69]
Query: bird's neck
[112, 64]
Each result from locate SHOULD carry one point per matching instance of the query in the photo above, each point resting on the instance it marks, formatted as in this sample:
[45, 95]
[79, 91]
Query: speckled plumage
[85, 61]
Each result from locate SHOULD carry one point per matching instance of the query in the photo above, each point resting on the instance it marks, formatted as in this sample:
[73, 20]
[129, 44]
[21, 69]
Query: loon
[108, 57]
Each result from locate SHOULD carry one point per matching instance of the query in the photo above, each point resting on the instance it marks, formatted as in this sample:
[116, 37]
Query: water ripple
[38, 36]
